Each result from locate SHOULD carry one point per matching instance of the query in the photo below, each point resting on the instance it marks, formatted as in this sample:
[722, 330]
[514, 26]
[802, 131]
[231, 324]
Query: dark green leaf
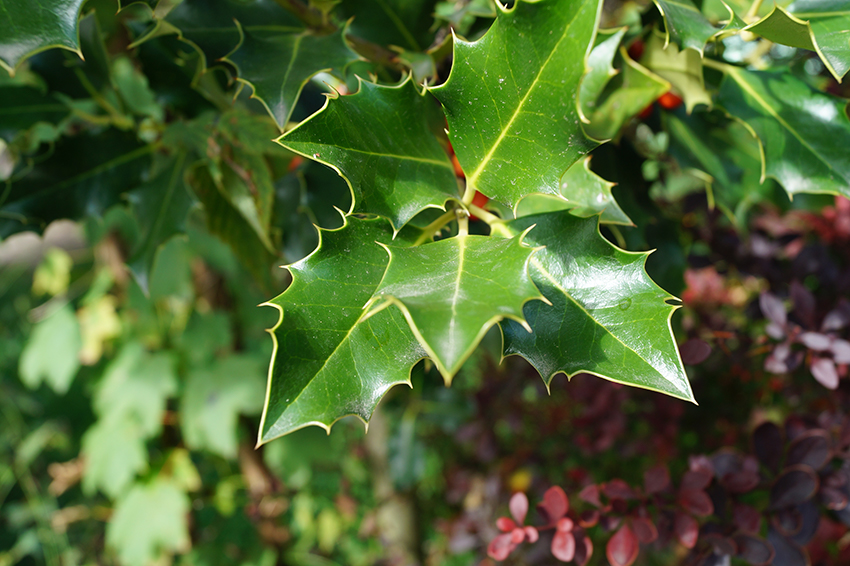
[606, 316]
[453, 290]
[24, 107]
[329, 360]
[277, 66]
[30, 26]
[804, 133]
[381, 141]
[685, 24]
[511, 98]
[404, 23]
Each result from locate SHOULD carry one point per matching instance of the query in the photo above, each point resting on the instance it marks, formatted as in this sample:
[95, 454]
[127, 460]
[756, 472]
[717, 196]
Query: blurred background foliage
[133, 355]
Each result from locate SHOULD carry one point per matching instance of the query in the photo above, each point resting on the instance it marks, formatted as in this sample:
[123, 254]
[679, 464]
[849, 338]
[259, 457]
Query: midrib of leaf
[32, 109]
[100, 168]
[478, 170]
[536, 263]
[461, 248]
[296, 46]
[734, 72]
[172, 183]
[399, 24]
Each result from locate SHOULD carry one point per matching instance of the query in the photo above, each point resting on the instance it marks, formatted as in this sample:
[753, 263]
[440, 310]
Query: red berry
[636, 49]
[458, 168]
[480, 201]
[646, 112]
[670, 101]
[294, 163]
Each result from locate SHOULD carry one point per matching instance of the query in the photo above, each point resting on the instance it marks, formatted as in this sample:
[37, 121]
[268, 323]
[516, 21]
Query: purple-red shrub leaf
[767, 444]
[584, 549]
[840, 351]
[787, 521]
[590, 494]
[618, 489]
[746, 518]
[694, 351]
[815, 341]
[721, 544]
[773, 309]
[804, 304]
[686, 529]
[695, 480]
[696, 502]
[564, 525]
[837, 318]
[622, 548]
[726, 461]
[517, 535]
[531, 534]
[656, 479]
[564, 546]
[824, 371]
[740, 482]
[555, 504]
[833, 498]
[505, 524]
[754, 550]
[500, 547]
[796, 485]
[588, 518]
[787, 552]
[644, 529]
[701, 462]
[518, 506]
[811, 449]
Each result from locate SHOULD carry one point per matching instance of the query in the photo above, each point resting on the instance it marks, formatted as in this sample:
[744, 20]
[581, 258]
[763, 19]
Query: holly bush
[427, 171]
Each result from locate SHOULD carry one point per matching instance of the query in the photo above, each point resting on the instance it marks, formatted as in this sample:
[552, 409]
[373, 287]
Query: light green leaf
[136, 385]
[31, 26]
[115, 452]
[453, 290]
[329, 360]
[817, 25]
[511, 98]
[583, 192]
[804, 133]
[627, 94]
[277, 66]
[606, 316]
[160, 206]
[214, 397]
[599, 70]
[52, 351]
[149, 523]
[683, 69]
[381, 141]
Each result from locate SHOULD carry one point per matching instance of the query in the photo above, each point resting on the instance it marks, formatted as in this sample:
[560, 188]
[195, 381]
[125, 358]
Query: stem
[435, 226]
[717, 65]
[468, 195]
[462, 223]
[753, 11]
[479, 212]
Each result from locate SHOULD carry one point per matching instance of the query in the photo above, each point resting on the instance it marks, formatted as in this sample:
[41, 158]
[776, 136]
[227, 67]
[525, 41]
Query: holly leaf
[683, 69]
[405, 23]
[817, 25]
[803, 132]
[604, 314]
[511, 98]
[52, 351]
[453, 290]
[25, 107]
[329, 359]
[600, 70]
[627, 94]
[583, 193]
[32, 26]
[685, 24]
[160, 206]
[150, 522]
[381, 141]
[277, 66]
[85, 175]
[214, 398]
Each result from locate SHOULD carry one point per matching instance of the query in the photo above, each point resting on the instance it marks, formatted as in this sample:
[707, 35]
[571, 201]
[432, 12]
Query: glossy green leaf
[685, 24]
[583, 192]
[627, 94]
[804, 133]
[24, 107]
[115, 454]
[606, 316]
[160, 206]
[329, 360]
[214, 398]
[600, 70]
[277, 66]
[511, 98]
[31, 26]
[150, 523]
[817, 25]
[453, 290]
[83, 177]
[408, 24]
[51, 354]
[381, 141]
[683, 69]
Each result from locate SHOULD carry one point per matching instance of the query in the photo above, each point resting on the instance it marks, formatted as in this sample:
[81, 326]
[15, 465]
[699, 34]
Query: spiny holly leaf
[31, 26]
[636, 88]
[404, 23]
[817, 25]
[330, 361]
[381, 141]
[804, 133]
[682, 68]
[583, 193]
[599, 70]
[84, 176]
[688, 28]
[277, 66]
[606, 316]
[511, 98]
[160, 206]
[453, 290]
